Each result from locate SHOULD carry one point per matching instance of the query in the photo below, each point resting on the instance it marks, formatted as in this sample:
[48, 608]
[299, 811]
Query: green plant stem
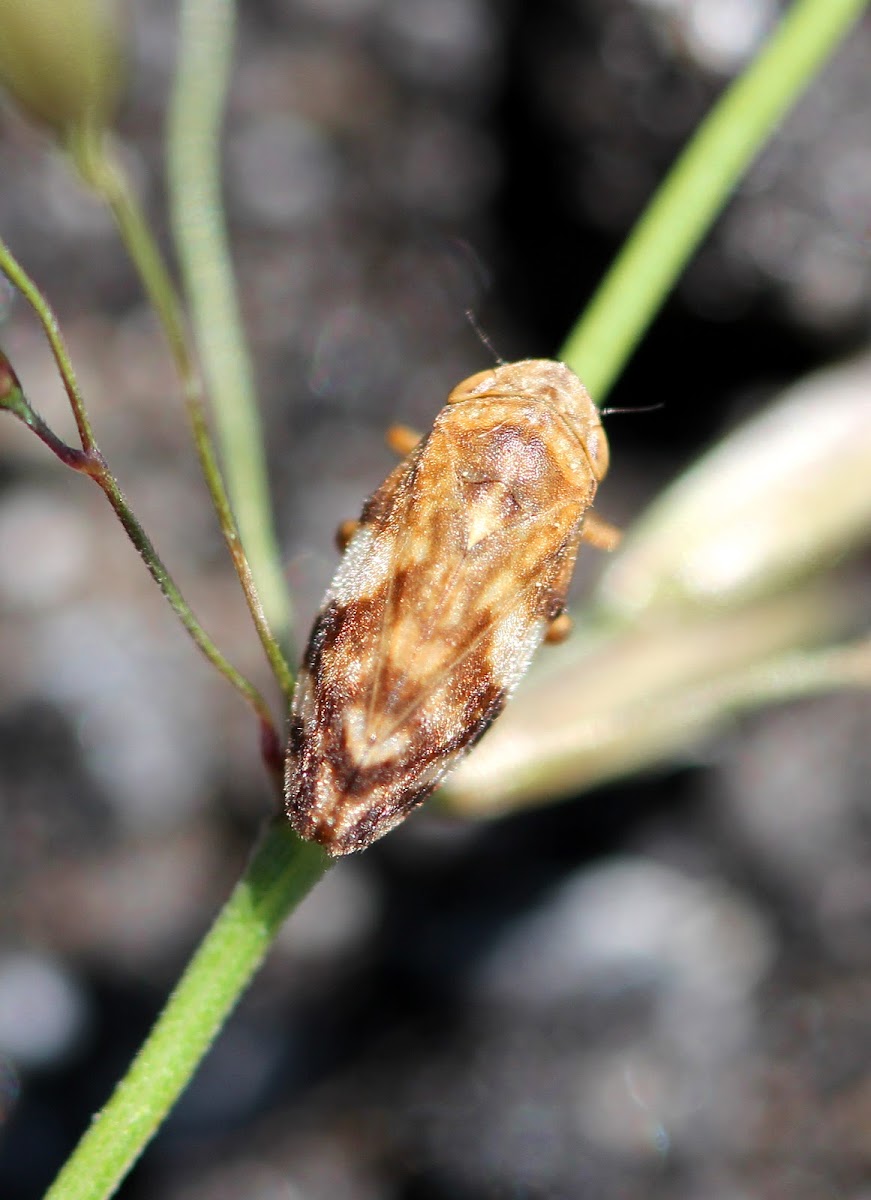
[196, 209]
[89, 461]
[697, 187]
[282, 870]
[19, 279]
[105, 177]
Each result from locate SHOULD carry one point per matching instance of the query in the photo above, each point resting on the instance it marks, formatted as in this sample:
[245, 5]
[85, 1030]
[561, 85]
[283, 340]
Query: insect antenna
[608, 412]
[482, 336]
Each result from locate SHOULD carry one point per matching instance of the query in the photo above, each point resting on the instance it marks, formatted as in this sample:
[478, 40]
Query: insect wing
[433, 616]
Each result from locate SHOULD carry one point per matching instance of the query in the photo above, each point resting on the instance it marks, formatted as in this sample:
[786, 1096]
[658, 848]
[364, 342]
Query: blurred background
[661, 989]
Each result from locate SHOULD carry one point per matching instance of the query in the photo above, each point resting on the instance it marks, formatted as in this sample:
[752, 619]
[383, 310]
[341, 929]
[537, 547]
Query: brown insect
[458, 568]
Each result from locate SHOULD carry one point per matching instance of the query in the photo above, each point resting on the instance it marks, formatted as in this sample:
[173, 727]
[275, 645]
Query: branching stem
[104, 175]
[89, 461]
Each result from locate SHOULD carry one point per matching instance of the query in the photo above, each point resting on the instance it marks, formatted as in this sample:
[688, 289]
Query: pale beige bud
[783, 496]
[59, 59]
[616, 703]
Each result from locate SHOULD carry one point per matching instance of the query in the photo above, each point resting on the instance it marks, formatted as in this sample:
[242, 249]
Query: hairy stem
[282, 870]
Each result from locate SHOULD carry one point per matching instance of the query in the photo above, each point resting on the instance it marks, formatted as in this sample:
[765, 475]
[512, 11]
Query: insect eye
[473, 386]
[596, 447]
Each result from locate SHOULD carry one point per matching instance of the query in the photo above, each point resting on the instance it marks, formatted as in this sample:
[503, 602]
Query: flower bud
[780, 498]
[624, 700]
[59, 59]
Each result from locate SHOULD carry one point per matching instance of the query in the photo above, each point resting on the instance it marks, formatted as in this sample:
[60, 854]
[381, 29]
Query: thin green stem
[281, 872]
[160, 575]
[90, 461]
[697, 187]
[13, 400]
[106, 178]
[19, 279]
[196, 209]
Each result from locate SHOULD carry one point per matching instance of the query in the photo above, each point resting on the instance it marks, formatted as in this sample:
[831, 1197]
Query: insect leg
[402, 439]
[559, 623]
[559, 629]
[345, 532]
[595, 532]
[599, 533]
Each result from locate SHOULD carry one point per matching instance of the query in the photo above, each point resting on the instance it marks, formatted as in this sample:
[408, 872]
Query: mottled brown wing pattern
[461, 559]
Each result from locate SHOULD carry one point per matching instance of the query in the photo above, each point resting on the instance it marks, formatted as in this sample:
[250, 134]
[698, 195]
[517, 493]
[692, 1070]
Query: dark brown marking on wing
[383, 812]
[321, 634]
[295, 738]
[475, 700]
[554, 607]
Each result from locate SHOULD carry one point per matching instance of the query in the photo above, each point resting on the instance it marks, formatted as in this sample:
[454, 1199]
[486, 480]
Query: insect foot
[458, 567]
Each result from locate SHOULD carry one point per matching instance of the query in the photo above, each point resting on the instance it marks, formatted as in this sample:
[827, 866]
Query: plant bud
[59, 59]
[780, 498]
